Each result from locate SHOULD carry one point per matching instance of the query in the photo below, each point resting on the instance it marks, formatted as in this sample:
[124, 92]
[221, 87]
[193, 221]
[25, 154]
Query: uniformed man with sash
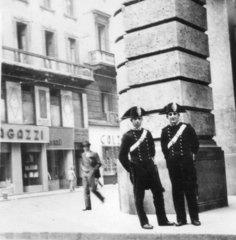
[136, 155]
[179, 145]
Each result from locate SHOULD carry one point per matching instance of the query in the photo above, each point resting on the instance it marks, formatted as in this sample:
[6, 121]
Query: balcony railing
[112, 117]
[100, 56]
[45, 63]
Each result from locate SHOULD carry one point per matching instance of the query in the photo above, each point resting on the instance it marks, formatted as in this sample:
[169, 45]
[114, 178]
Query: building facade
[58, 88]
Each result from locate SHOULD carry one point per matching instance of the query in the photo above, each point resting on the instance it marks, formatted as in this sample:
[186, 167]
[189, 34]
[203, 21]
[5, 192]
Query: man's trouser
[183, 179]
[139, 193]
[90, 184]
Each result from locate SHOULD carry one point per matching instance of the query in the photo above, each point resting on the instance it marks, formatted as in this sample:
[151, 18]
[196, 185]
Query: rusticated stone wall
[162, 56]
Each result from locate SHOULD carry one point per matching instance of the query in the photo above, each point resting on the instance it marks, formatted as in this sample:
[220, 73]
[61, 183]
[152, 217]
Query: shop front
[23, 163]
[59, 157]
[106, 142]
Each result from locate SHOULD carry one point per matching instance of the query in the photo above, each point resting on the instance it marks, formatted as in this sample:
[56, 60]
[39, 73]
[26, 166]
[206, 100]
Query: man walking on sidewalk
[90, 163]
[136, 155]
[179, 145]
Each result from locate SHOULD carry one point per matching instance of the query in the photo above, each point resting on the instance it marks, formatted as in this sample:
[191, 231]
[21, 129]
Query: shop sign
[110, 140]
[61, 138]
[24, 134]
[81, 134]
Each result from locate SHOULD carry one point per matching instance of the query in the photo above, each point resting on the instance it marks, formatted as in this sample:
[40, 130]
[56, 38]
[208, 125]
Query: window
[49, 44]
[55, 107]
[106, 103]
[78, 110]
[47, 4]
[110, 157]
[72, 49]
[101, 37]
[102, 30]
[3, 103]
[42, 103]
[28, 104]
[69, 7]
[21, 40]
[21, 36]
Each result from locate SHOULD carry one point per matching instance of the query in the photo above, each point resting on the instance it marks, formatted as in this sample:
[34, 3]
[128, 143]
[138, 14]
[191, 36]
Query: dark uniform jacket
[183, 149]
[140, 165]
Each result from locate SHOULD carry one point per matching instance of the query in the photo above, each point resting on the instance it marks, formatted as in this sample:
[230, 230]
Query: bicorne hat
[86, 144]
[134, 112]
[172, 107]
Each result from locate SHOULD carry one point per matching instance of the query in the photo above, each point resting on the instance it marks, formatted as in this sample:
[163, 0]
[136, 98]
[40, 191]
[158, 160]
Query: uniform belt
[138, 159]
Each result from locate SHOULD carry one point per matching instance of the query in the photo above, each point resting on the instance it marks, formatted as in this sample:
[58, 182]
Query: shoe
[196, 223]
[167, 224]
[179, 224]
[147, 226]
[102, 199]
[87, 209]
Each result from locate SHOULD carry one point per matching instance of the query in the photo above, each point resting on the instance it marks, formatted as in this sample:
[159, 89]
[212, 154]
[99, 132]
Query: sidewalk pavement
[59, 215]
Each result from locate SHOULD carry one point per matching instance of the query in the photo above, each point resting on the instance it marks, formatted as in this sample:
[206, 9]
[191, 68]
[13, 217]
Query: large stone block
[152, 12]
[153, 97]
[120, 50]
[196, 95]
[167, 65]
[166, 36]
[203, 123]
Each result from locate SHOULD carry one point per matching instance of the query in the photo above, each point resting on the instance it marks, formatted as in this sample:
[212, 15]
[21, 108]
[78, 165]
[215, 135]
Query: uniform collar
[176, 125]
[137, 129]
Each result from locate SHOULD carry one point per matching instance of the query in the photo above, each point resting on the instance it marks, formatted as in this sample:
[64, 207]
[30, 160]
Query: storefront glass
[5, 166]
[31, 164]
[110, 156]
[56, 169]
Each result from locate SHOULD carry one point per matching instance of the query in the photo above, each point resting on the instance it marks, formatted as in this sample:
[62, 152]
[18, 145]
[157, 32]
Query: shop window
[28, 104]
[55, 107]
[57, 174]
[106, 102]
[5, 166]
[3, 103]
[78, 110]
[69, 7]
[49, 44]
[31, 164]
[110, 157]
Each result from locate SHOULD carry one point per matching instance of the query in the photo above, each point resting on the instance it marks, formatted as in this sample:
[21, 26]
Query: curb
[111, 236]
